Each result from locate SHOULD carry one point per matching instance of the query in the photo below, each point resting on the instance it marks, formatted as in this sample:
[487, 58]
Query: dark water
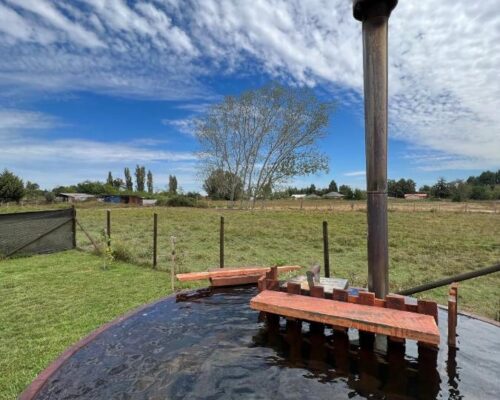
[215, 348]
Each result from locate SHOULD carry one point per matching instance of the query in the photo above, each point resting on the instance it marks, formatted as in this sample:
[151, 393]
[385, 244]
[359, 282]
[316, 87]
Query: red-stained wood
[293, 288]
[452, 315]
[224, 272]
[428, 307]
[366, 298]
[317, 291]
[234, 280]
[384, 321]
[340, 295]
[261, 283]
[395, 302]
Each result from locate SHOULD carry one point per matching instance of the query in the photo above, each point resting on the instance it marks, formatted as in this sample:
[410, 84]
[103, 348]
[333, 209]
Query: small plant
[107, 253]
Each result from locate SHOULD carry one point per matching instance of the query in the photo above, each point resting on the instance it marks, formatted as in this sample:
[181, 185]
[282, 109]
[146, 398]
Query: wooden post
[155, 239]
[452, 315]
[326, 255]
[221, 243]
[74, 225]
[301, 202]
[374, 16]
[172, 268]
[108, 226]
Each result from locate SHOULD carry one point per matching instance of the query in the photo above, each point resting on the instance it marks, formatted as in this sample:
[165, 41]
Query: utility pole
[374, 15]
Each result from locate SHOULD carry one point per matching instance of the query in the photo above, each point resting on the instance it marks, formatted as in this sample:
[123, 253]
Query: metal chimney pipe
[374, 15]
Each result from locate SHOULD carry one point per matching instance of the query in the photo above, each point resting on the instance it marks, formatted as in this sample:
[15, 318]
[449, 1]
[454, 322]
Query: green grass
[49, 302]
[424, 246]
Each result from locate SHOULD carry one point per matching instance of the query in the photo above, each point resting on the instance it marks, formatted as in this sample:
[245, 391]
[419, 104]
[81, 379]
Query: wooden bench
[235, 276]
[368, 318]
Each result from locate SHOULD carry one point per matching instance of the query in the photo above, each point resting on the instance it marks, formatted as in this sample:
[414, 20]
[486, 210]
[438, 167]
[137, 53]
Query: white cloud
[444, 90]
[355, 173]
[183, 125]
[27, 148]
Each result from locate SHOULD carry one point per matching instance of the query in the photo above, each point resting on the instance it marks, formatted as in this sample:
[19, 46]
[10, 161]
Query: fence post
[74, 225]
[221, 243]
[155, 239]
[172, 269]
[108, 226]
[326, 255]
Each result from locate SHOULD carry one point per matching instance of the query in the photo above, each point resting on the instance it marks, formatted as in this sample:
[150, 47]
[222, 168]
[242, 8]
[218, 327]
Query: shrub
[181, 201]
[121, 252]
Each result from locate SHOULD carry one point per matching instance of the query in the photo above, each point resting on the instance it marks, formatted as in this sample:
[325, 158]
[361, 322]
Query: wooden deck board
[234, 280]
[401, 324]
[225, 272]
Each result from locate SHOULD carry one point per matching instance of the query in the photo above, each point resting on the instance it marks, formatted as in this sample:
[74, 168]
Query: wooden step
[390, 322]
[225, 272]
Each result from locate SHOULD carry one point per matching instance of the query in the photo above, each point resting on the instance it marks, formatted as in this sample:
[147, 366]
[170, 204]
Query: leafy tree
[172, 184]
[311, 189]
[129, 185]
[425, 189]
[140, 177]
[487, 178]
[460, 191]
[480, 192]
[118, 183]
[109, 181]
[50, 197]
[359, 194]
[219, 184]
[150, 182]
[264, 136]
[441, 190]
[400, 188]
[346, 191]
[11, 187]
[32, 190]
[332, 187]
[92, 187]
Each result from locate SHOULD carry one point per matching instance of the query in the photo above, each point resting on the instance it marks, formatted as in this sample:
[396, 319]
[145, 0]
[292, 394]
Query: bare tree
[264, 137]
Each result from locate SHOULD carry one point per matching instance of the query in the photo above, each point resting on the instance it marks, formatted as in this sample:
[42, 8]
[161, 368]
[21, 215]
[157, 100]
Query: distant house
[74, 197]
[416, 196]
[312, 197]
[298, 196]
[333, 195]
[128, 199]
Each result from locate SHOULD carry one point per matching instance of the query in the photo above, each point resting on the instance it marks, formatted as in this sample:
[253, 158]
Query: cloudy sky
[88, 86]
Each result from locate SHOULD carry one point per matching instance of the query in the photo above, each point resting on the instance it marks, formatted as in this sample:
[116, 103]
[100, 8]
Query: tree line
[12, 187]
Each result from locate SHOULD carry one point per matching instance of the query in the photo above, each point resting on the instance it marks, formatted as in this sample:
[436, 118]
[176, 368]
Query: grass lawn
[49, 302]
[423, 246]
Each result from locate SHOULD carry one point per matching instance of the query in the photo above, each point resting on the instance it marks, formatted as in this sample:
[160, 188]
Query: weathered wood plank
[452, 315]
[224, 272]
[234, 280]
[384, 321]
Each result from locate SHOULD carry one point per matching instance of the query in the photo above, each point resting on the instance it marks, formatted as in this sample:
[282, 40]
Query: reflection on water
[214, 346]
[367, 370]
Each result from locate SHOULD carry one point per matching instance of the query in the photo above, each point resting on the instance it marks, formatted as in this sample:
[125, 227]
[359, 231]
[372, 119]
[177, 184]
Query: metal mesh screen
[36, 232]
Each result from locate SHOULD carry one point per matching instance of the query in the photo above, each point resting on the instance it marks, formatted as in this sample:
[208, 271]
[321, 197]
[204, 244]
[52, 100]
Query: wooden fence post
[221, 243]
[172, 268]
[74, 225]
[155, 239]
[326, 255]
[108, 226]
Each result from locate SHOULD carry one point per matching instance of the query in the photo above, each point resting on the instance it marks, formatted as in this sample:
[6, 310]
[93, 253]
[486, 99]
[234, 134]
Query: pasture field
[423, 246]
[50, 301]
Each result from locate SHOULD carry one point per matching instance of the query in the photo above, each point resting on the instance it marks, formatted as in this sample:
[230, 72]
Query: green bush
[181, 201]
[121, 252]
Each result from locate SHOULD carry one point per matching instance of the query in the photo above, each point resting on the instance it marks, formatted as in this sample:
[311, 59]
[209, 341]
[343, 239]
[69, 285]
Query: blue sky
[89, 86]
